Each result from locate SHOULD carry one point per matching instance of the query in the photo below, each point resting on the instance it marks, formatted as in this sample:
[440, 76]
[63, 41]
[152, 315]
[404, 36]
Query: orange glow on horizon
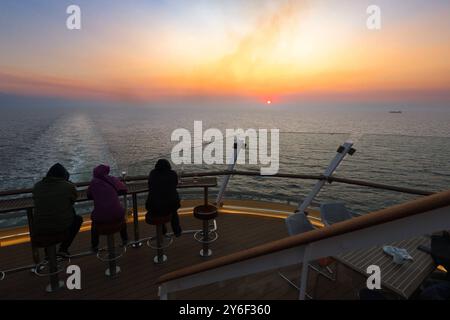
[291, 48]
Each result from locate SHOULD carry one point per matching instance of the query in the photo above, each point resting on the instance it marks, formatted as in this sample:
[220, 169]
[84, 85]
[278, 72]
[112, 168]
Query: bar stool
[48, 243]
[109, 254]
[205, 236]
[159, 222]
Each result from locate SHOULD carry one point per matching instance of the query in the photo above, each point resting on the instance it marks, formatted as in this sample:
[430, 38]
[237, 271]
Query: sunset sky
[261, 49]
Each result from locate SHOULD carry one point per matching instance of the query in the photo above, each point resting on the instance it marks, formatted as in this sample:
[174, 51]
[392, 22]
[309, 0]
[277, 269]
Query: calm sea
[411, 149]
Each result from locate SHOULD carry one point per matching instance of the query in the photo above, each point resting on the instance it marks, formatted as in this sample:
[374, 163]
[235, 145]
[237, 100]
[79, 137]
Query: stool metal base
[157, 259]
[137, 244]
[207, 254]
[49, 288]
[42, 269]
[108, 272]
[212, 236]
[163, 246]
[104, 255]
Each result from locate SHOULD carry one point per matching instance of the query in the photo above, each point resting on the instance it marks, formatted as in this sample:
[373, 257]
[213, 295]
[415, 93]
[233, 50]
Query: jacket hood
[163, 164]
[101, 171]
[58, 171]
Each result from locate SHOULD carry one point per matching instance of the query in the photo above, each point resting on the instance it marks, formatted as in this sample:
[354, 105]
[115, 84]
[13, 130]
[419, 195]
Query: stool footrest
[103, 254]
[43, 265]
[149, 242]
[212, 236]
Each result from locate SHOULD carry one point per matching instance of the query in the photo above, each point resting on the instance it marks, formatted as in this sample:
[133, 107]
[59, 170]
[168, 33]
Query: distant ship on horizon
[395, 111]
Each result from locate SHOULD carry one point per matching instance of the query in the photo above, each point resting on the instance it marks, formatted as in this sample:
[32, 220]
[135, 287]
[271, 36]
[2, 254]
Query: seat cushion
[335, 212]
[157, 219]
[47, 240]
[205, 212]
[109, 228]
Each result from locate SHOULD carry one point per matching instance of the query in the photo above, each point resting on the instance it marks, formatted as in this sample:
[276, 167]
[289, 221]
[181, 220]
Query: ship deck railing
[405, 221]
[20, 200]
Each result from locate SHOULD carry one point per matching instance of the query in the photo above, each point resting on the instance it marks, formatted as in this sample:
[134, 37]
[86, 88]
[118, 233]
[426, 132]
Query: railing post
[237, 146]
[342, 151]
[137, 243]
[125, 203]
[34, 250]
[162, 292]
[304, 275]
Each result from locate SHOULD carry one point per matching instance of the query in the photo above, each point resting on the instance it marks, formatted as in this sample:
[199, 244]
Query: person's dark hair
[58, 171]
[163, 164]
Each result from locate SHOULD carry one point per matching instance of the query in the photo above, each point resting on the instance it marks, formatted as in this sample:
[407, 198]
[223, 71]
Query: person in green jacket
[54, 197]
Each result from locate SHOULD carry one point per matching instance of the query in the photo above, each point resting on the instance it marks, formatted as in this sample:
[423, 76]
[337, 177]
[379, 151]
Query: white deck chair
[296, 224]
[335, 212]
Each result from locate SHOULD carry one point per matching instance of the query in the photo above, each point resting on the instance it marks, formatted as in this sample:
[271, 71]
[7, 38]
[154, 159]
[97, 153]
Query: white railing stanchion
[406, 221]
[342, 151]
[237, 147]
[304, 275]
[162, 292]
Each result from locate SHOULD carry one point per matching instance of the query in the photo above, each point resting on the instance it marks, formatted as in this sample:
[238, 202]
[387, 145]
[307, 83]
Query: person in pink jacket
[105, 190]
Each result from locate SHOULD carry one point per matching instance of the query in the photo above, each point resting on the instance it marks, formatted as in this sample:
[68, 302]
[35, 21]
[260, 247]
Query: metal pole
[125, 203]
[34, 250]
[112, 266]
[205, 252]
[341, 153]
[205, 195]
[159, 235]
[160, 256]
[304, 275]
[53, 268]
[237, 147]
[137, 243]
[162, 292]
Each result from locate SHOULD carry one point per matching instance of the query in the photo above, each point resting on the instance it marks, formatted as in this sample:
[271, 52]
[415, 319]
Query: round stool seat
[109, 228]
[205, 212]
[157, 220]
[47, 240]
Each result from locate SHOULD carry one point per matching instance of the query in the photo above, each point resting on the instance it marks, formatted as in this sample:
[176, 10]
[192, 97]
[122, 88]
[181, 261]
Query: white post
[304, 275]
[237, 147]
[162, 292]
[125, 200]
[341, 153]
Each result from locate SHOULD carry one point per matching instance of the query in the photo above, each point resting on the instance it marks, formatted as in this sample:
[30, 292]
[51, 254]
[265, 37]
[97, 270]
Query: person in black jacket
[163, 198]
[54, 197]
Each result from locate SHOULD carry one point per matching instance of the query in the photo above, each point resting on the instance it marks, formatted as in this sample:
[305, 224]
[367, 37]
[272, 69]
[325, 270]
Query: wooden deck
[139, 273]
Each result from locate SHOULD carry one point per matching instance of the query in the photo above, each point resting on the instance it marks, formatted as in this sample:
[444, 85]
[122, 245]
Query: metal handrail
[144, 189]
[406, 210]
[131, 179]
[205, 184]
